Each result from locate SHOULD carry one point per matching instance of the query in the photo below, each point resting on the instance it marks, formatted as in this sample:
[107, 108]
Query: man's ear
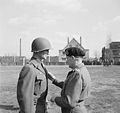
[72, 57]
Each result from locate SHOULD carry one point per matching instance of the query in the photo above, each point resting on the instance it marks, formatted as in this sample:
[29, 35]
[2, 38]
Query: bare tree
[109, 39]
[97, 54]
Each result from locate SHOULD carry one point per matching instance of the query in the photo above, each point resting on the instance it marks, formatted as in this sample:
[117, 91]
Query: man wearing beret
[76, 87]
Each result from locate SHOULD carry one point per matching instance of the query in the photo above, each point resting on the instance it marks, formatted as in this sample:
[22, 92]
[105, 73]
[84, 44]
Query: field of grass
[105, 90]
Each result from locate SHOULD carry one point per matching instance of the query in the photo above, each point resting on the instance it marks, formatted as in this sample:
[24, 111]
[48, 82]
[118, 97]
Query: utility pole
[80, 40]
[68, 40]
[20, 47]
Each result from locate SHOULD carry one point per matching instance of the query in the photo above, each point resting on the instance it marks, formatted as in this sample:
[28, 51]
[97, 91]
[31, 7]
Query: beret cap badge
[67, 53]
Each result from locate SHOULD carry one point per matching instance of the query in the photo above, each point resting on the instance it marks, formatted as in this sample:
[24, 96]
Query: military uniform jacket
[75, 89]
[26, 85]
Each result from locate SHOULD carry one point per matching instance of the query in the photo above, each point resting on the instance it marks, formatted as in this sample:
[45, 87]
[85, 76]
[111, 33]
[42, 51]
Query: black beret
[74, 51]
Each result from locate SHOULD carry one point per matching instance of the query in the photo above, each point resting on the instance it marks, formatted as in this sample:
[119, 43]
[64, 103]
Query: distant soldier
[33, 79]
[76, 87]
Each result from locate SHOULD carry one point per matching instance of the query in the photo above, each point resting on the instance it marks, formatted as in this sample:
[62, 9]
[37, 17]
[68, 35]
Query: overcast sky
[94, 20]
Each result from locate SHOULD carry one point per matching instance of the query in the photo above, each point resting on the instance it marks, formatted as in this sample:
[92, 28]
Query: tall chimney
[20, 46]
[80, 40]
[68, 40]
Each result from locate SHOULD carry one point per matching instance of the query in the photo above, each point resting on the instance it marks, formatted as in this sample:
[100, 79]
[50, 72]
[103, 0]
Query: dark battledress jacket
[75, 90]
[31, 84]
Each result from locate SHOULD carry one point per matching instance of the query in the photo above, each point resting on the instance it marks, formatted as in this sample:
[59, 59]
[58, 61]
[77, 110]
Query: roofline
[77, 43]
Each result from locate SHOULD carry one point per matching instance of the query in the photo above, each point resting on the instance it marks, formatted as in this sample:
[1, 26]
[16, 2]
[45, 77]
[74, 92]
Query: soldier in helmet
[33, 79]
[76, 87]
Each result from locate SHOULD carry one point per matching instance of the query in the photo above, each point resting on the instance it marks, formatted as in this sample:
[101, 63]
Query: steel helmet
[40, 44]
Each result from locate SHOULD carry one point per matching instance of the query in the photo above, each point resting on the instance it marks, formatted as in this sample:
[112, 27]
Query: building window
[115, 52]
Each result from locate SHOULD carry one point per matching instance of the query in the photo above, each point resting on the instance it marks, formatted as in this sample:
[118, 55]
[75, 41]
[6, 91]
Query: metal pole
[20, 46]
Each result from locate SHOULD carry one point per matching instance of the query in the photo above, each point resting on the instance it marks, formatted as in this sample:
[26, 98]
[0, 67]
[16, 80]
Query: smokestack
[68, 40]
[80, 40]
[20, 46]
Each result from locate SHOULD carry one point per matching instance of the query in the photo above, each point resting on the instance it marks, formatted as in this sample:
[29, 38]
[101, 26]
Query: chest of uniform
[40, 82]
[39, 73]
[69, 77]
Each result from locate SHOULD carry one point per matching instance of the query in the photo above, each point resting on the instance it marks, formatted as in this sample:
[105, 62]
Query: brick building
[12, 60]
[112, 54]
[115, 48]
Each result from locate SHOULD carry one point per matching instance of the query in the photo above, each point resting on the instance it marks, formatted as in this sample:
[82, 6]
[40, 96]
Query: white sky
[93, 20]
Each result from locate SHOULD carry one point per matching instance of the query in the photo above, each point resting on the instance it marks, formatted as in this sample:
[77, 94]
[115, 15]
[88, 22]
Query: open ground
[104, 97]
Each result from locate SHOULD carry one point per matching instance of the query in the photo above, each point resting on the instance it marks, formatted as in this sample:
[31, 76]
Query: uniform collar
[79, 66]
[36, 62]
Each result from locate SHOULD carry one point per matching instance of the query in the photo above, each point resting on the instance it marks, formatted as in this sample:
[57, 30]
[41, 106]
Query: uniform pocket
[37, 87]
